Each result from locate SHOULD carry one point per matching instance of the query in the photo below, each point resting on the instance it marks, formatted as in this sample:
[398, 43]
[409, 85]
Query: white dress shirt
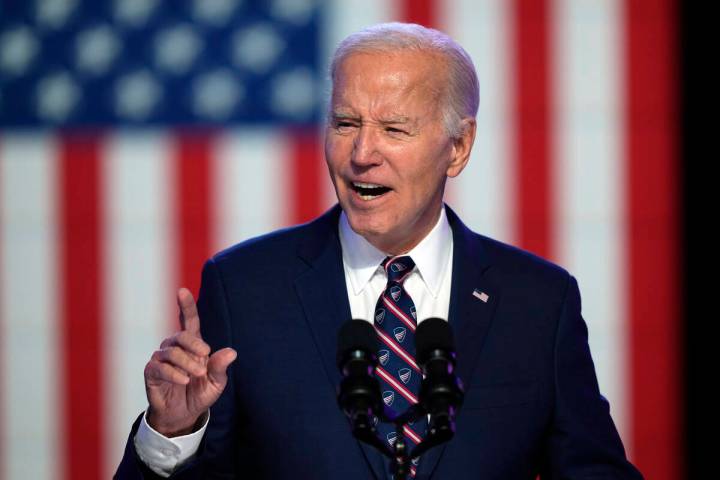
[428, 285]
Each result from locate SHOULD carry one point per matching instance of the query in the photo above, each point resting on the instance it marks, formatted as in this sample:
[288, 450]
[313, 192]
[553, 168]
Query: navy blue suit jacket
[532, 404]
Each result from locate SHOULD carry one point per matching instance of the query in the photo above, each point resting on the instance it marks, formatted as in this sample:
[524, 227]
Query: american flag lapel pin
[484, 297]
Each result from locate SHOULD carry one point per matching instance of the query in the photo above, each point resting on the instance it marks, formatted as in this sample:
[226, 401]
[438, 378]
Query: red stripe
[81, 291]
[308, 173]
[193, 205]
[412, 434]
[398, 349]
[653, 237]
[398, 313]
[423, 12]
[396, 385]
[532, 113]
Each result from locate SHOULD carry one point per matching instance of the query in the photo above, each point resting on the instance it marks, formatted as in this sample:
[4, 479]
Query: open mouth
[368, 191]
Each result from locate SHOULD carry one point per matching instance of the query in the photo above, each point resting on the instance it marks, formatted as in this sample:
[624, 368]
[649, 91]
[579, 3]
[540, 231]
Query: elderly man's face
[386, 148]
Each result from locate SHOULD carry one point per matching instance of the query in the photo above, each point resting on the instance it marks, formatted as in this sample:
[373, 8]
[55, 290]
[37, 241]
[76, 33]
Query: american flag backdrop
[137, 137]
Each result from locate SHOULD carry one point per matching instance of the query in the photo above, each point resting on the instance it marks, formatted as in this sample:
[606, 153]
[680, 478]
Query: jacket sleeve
[583, 442]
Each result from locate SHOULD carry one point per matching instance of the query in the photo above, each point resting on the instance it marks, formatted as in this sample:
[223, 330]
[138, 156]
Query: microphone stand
[441, 429]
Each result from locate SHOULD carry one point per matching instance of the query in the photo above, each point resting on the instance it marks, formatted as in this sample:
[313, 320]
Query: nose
[365, 148]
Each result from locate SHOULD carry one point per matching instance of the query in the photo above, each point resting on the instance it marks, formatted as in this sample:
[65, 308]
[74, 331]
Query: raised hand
[182, 379]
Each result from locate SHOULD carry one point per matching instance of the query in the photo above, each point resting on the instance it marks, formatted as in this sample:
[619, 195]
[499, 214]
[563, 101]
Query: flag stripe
[82, 294]
[140, 265]
[29, 350]
[652, 231]
[484, 194]
[342, 21]
[532, 120]
[422, 12]
[307, 176]
[249, 174]
[588, 175]
[193, 163]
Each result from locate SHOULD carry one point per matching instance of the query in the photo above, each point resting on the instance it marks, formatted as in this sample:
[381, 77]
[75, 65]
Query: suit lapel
[324, 298]
[472, 305]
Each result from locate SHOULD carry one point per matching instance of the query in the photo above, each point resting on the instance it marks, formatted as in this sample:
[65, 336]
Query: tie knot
[398, 268]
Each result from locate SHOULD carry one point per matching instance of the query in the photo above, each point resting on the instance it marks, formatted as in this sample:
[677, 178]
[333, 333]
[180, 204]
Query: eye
[343, 125]
[395, 130]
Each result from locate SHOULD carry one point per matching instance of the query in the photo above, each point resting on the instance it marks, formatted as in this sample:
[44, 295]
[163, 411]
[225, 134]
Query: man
[401, 121]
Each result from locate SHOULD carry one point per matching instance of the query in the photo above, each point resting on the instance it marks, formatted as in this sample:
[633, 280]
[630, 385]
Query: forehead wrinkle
[395, 118]
[397, 88]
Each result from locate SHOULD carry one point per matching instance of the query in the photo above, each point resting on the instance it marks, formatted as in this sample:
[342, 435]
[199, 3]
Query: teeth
[367, 185]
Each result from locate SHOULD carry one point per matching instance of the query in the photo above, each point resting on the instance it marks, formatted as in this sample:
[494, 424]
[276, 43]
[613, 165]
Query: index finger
[189, 318]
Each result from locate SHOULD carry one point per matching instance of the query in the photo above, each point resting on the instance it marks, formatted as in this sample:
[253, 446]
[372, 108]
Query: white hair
[462, 95]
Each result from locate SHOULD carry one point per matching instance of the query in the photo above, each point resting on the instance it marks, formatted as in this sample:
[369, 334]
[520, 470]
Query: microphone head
[356, 335]
[433, 334]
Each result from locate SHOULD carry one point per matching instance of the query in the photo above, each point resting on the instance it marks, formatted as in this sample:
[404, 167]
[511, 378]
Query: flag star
[176, 48]
[297, 12]
[216, 94]
[136, 95]
[293, 93]
[96, 49]
[57, 96]
[54, 13]
[18, 48]
[134, 13]
[214, 12]
[257, 48]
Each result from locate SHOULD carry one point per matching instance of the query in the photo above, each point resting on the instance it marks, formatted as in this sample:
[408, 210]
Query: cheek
[331, 156]
[336, 151]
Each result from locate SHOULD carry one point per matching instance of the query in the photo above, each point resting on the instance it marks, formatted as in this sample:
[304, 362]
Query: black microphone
[359, 391]
[441, 391]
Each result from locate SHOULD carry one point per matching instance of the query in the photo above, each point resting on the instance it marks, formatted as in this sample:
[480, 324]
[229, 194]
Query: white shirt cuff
[164, 455]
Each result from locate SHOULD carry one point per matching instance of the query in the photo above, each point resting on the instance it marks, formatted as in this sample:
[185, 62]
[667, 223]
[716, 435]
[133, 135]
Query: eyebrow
[343, 116]
[396, 119]
[393, 119]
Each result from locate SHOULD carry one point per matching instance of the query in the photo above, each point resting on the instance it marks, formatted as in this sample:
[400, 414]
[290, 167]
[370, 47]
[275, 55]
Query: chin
[366, 224]
[363, 224]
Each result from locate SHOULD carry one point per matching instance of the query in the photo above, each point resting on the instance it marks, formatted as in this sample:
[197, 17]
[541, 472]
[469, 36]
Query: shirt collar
[362, 259]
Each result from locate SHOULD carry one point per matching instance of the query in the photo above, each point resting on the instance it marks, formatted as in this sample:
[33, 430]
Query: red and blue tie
[399, 374]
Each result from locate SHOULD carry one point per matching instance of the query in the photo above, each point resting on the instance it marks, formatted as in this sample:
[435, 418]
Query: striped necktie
[398, 373]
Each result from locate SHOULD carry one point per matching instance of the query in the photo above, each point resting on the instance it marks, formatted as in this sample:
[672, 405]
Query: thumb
[218, 363]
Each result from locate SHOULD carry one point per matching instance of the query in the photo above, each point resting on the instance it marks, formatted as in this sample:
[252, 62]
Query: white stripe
[344, 18]
[388, 378]
[484, 193]
[411, 434]
[139, 269]
[399, 313]
[397, 349]
[589, 52]
[250, 168]
[29, 307]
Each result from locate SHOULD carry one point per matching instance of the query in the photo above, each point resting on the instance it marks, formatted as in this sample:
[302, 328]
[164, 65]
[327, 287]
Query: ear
[462, 146]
